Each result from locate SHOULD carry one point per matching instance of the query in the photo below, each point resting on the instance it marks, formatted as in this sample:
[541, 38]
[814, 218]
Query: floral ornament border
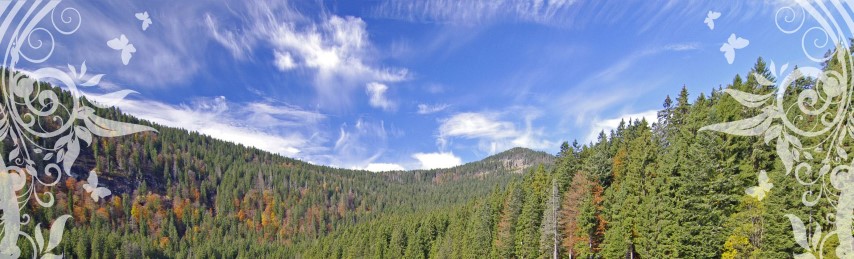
[27, 28]
[830, 101]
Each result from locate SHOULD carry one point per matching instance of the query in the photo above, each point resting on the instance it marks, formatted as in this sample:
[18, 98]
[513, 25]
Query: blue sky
[415, 84]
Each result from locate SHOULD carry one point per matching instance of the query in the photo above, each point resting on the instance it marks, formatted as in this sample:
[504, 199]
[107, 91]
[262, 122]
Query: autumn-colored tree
[747, 230]
[136, 211]
[79, 214]
[103, 213]
[178, 208]
[573, 235]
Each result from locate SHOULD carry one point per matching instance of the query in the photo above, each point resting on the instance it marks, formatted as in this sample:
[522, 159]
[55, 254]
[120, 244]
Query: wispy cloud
[335, 49]
[238, 46]
[377, 94]
[568, 13]
[475, 11]
[476, 125]
[215, 117]
[613, 85]
[493, 133]
[284, 61]
[280, 115]
[428, 109]
[358, 145]
[157, 63]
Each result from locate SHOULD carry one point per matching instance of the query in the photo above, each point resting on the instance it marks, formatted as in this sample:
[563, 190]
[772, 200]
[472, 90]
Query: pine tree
[566, 164]
[504, 244]
[479, 232]
[527, 234]
[598, 163]
[662, 127]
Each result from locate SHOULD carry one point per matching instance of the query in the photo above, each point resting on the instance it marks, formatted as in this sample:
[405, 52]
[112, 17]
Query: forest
[649, 189]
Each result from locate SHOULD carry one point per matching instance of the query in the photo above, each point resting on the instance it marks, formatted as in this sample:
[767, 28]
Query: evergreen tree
[504, 245]
[527, 234]
[480, 233]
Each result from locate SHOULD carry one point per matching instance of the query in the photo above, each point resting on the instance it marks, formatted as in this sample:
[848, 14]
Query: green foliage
[659, 190]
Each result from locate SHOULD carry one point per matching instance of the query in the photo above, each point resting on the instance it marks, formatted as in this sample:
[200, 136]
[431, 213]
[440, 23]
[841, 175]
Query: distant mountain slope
[516, 160]
[173, 190]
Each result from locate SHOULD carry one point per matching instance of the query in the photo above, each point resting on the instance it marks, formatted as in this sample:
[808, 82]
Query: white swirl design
[30, 115]
[830, 102]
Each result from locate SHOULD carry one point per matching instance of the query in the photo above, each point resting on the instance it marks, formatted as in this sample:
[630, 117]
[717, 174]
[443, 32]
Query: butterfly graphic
[759, 192]
[710, 19]
[91, 186]
[146, 20]
[732, 44]
[121, 43]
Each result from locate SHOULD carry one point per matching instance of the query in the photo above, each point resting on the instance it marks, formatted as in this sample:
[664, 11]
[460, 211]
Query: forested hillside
[181, 194]
[649, 189]
[661, 189]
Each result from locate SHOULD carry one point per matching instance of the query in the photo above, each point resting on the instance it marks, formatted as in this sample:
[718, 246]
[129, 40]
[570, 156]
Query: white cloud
[492, 132]
[565, 13]
[383, 167]
[284, 60]
[437, 160]
[476, 11]
[231, 41]
[335, 50]
[215, 118]
[214, 105]
[359, 145]
[428, 109]
[531, 138]
[376, 93]
[279, 115]
[682, 46]
[609, 124]
[476, 125]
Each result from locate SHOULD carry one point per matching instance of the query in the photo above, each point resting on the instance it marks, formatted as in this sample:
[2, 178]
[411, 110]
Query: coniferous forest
[649, 189]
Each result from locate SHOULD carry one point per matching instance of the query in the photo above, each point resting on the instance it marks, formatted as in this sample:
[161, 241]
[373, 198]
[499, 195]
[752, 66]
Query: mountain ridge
[173, 188]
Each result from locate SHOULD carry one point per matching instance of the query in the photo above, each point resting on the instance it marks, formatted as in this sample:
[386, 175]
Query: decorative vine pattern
[829, 102]
[24, 117]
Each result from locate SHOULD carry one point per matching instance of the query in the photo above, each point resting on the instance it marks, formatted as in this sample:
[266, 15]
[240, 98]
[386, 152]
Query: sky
[393, 85]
